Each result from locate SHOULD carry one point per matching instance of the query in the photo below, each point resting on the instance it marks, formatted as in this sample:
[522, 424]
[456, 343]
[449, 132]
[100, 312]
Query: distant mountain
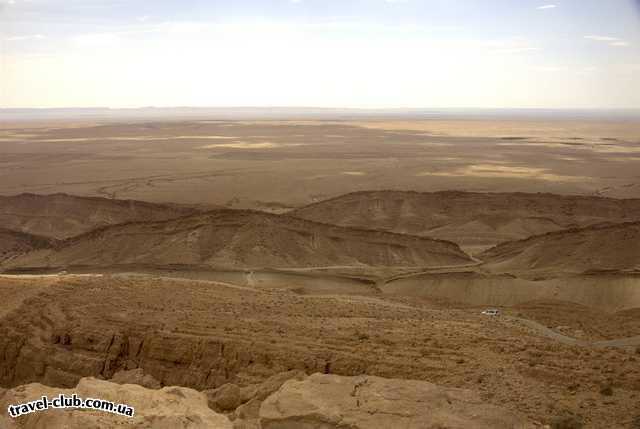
[595, 248]
[302, 112]
[475, 221]
[238, 238]
[61, 216]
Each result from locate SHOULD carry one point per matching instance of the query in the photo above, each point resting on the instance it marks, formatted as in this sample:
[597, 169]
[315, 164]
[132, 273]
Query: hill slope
[246, 239]
[475, 221]
[13, 243]
[61, 216]
[595, 248]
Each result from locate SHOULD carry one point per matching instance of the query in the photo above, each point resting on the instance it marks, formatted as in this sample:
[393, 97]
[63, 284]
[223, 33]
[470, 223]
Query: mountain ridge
[244, 238]
[476, 221]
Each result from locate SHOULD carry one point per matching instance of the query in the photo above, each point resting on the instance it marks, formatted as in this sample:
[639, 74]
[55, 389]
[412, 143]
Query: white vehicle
[491, 312]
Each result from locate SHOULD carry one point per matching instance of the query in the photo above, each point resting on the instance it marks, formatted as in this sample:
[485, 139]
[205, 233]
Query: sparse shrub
[386, 342]
[606, 389]
[567, 422]
[574, 387]
[362, 336]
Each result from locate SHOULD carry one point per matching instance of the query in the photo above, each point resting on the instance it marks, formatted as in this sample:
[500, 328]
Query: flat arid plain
[322, 273]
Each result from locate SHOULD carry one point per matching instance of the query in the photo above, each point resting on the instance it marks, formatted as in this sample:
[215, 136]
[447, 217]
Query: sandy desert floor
[276, 165]
[95, 286]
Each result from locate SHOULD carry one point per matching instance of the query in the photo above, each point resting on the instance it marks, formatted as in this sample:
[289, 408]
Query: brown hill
[61, 216]
[246, 239]
[595, 248]
[13, 243]
[475, 221]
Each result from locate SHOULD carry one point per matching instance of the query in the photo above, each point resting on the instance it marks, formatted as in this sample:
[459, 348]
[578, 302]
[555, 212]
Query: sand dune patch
[624, 159]
[503, 171]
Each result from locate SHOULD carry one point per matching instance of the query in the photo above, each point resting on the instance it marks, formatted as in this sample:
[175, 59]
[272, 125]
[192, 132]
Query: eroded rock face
[331, 402]
[169, 407]
[243, 403]
[230, 396]
[136, 376]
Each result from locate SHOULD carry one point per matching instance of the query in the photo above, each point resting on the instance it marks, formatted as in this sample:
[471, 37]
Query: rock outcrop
[136, 376]
[365, 402]
[289, 400]
[170, 408]
[243, 403]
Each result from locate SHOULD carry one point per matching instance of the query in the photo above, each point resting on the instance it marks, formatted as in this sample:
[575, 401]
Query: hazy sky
[331, 53]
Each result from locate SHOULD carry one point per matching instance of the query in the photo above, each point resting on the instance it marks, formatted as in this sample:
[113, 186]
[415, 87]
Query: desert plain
[323, 273]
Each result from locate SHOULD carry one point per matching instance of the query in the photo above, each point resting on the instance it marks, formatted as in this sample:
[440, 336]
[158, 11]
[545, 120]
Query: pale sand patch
[241, 145]
[247, 145]
[135, 138]
[13, 137]
[434, 144]
[12, 134]
[593, 147]
[542, 144]
[569, 158]
[624, 159]
[214, 137]
[501, 171]
[506, 128]
[616, 149]
[354, 173]
[47, 276]
[447, 158]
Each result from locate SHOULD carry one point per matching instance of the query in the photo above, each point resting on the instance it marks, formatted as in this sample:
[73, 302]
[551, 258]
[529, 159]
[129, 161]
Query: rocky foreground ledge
[285, 401]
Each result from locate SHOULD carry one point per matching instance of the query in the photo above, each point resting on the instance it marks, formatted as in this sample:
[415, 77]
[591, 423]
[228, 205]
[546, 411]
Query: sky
[321, 53]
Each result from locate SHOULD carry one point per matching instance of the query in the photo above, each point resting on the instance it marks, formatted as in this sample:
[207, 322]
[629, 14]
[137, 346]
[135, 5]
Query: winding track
[624, 343]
